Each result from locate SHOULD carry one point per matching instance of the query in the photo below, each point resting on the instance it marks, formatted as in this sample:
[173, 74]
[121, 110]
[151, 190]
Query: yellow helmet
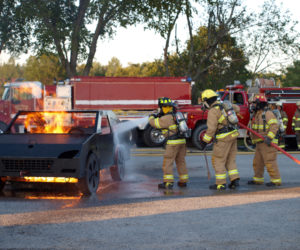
[207, 94]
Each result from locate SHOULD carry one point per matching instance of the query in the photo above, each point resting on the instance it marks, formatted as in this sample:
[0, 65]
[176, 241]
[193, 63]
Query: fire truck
[238, 95]
[129, 97]
[136, 97]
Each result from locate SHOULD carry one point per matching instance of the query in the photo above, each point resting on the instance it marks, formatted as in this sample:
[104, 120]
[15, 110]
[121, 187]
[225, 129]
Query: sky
[136, 45]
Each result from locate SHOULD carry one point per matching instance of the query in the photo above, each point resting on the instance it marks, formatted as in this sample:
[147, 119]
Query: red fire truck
[22, 96]
[135, 97]
[238, 95]
[129, 97]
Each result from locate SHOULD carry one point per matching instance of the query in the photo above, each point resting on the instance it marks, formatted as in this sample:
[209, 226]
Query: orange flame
[31, 89]
[48, 122]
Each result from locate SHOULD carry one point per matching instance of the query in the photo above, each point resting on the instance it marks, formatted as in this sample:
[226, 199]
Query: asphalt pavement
[134, 214]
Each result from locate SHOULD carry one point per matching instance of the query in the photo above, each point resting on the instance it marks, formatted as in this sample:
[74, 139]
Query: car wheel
[3, 127]
[90, 182]
[153, 137]
[198, 134]
[117, 171]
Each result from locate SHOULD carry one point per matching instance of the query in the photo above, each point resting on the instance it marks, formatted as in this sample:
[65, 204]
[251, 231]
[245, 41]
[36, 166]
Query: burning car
[62, 146]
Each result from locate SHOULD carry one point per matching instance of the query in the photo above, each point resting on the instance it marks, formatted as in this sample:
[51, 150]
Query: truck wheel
[198, 135]
[3, 126]
[117, 171]
[89, 183]
[153, 137]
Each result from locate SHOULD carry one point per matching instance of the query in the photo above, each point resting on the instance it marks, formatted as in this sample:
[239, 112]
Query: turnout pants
[265, 156]
[223, 160]
[175, 153]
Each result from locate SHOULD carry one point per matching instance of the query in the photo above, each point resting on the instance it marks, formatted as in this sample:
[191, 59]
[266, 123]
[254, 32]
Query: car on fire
[62, 146]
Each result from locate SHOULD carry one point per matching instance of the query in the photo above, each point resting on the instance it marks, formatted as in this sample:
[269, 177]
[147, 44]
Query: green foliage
[226, 64]
[96, 70]
[292, 76]
[14, 27]
[10, 71]
[44, 68]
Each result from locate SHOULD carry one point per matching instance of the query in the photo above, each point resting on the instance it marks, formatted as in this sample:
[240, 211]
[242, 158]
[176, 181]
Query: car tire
[153, 137]
[89, 183]
[3, 127]
[117, 171]
[198, 134]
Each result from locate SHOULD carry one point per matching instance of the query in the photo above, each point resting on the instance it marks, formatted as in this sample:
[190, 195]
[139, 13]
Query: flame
[50, 179]
[28, 88]
[48, 122]
[31, 89]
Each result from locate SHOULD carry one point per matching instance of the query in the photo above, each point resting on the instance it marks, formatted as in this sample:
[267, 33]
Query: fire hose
[272, 144]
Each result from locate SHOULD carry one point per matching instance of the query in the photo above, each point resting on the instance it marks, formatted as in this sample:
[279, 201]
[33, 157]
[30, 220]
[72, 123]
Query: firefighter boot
[252, 182]
[218, 187]
[181, 184]
[272, 184]
[233, 184]
[166, 185]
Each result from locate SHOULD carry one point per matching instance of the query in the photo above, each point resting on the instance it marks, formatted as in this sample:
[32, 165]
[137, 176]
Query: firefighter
[175, 149]
[225, 146]
[296, 123]
[284, 118]
[266, 124]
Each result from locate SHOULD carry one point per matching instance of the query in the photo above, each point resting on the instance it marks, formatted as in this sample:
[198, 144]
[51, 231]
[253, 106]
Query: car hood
[41, 145]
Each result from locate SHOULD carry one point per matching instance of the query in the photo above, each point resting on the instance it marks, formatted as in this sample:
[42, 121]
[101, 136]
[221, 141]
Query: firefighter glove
[268, 141]
[202, 145]
[151, 117]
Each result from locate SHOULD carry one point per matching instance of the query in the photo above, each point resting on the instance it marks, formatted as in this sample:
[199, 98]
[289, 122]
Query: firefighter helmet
[260, 98]
[165, 102]
[207, 94]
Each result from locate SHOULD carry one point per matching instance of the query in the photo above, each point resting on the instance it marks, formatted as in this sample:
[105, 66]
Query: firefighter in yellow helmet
[225, 146]
[175, 146]
[265, 123]
[296, 123]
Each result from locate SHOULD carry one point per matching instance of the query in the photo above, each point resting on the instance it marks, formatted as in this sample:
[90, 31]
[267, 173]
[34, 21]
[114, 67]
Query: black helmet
[165, 102]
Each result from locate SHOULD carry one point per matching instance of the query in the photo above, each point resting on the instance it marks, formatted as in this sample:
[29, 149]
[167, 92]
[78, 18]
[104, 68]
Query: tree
[10, 71]
[270, 39]
[44, 68]
[14, 27]
[226, 64]
[60, 26]
[292, 75]
[96, 70]
[114, 68]
[162, 17]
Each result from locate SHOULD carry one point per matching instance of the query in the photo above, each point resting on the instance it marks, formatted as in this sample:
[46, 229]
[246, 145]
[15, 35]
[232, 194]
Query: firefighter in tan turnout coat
[266, 124]
[175, 146]
[225, 146]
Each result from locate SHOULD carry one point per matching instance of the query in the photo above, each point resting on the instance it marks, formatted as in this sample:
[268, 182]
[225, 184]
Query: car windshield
[55, 122]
